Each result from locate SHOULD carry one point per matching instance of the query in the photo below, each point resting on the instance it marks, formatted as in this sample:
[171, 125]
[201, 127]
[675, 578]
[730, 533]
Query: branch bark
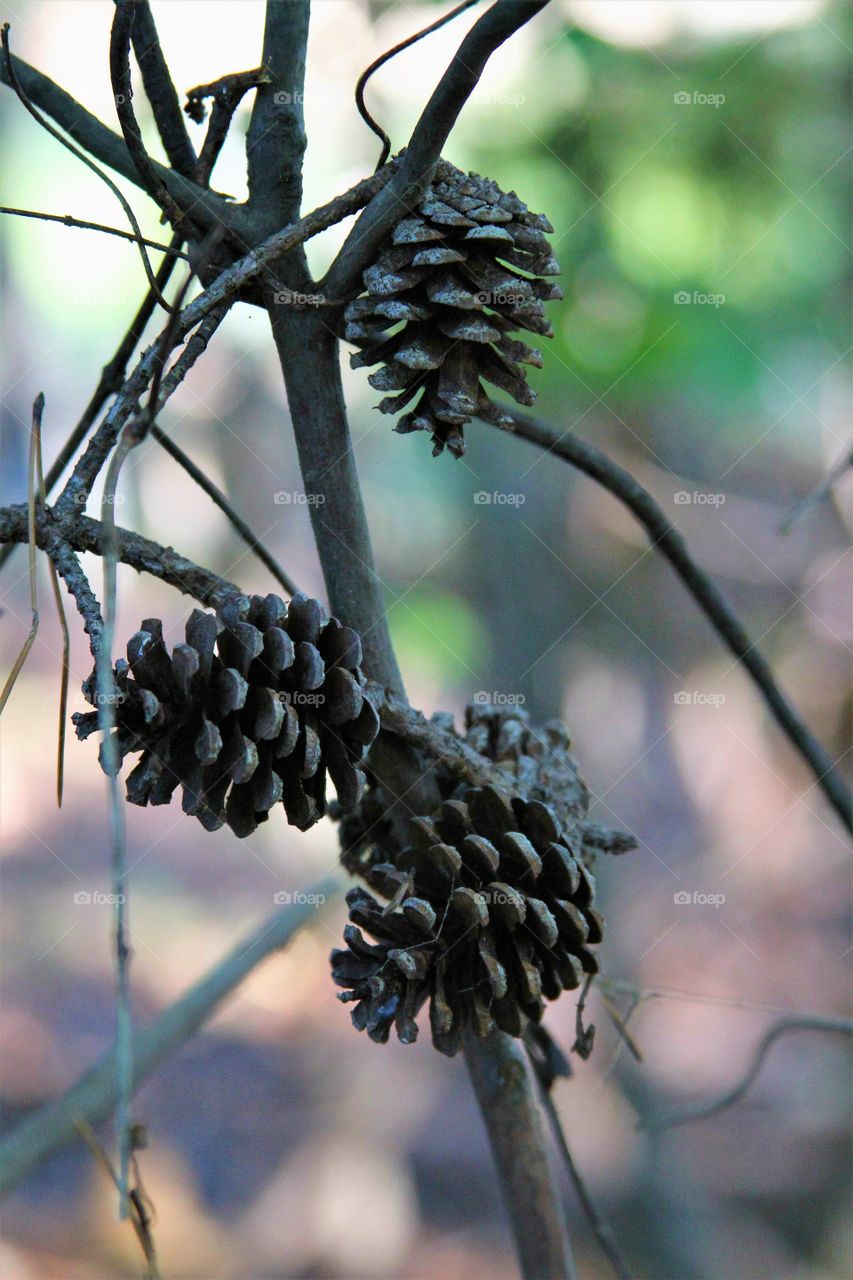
[502, 1082]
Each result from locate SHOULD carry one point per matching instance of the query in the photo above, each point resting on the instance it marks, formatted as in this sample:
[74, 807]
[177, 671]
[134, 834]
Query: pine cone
[490, 912]
[447, 274]
[538, 765]
[244, 716]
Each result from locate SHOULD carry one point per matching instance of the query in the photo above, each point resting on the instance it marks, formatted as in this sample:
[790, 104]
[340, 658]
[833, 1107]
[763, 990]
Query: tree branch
[276, 142]
[427, 141]
[209, 209]
[161, 92]
[310, 363]
[81, 533]
[503, 1084]
[667, 540]
[67, 220]
[93, 1097]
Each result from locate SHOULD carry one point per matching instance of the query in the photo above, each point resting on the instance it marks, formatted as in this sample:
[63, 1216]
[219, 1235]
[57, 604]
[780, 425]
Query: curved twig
[840, 1026]
[667, 540]
[368, 119]
[160, 91]
[123, 17]
[81, 155]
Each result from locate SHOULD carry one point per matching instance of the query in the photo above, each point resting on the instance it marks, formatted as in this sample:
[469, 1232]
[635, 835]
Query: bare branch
[276, 141]
[160, 91]
[425, 146]
[667, 540]
[67, 220]
[148, 177]
[209, 209]
[503, 1083]
[799, 1022]
[94, 1096]
[61, 534]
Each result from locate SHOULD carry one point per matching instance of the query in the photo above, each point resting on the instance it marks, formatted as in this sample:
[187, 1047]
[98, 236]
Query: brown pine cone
[490, 913]
[448, 273]
[250, 711]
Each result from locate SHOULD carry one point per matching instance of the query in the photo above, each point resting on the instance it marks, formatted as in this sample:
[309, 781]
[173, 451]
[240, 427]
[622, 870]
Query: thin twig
[424, 148]
[81, 155]
[68, 220]
[819, 493]
[63, 623]
[370, 120]
[840, 1026]
[51, 1127]
[78, 532]
[139, 1217]
[17, 666]
[216, 495]
[601, 1228]
[667, 540]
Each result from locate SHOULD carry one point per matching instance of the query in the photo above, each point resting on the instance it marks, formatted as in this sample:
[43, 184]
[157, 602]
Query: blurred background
[692, 156]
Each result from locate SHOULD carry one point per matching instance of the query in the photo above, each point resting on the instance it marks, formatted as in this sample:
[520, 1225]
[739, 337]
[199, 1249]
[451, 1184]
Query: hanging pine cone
[490, 912]
[538, 765]
[448, 275]
[244, 716]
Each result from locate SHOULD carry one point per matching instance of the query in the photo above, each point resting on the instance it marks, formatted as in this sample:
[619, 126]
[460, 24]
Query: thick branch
[504, 1086]
[276, 141]
[310, 362]
[425, 146]
[161, 92]
[93, 1097]
[667, 540]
